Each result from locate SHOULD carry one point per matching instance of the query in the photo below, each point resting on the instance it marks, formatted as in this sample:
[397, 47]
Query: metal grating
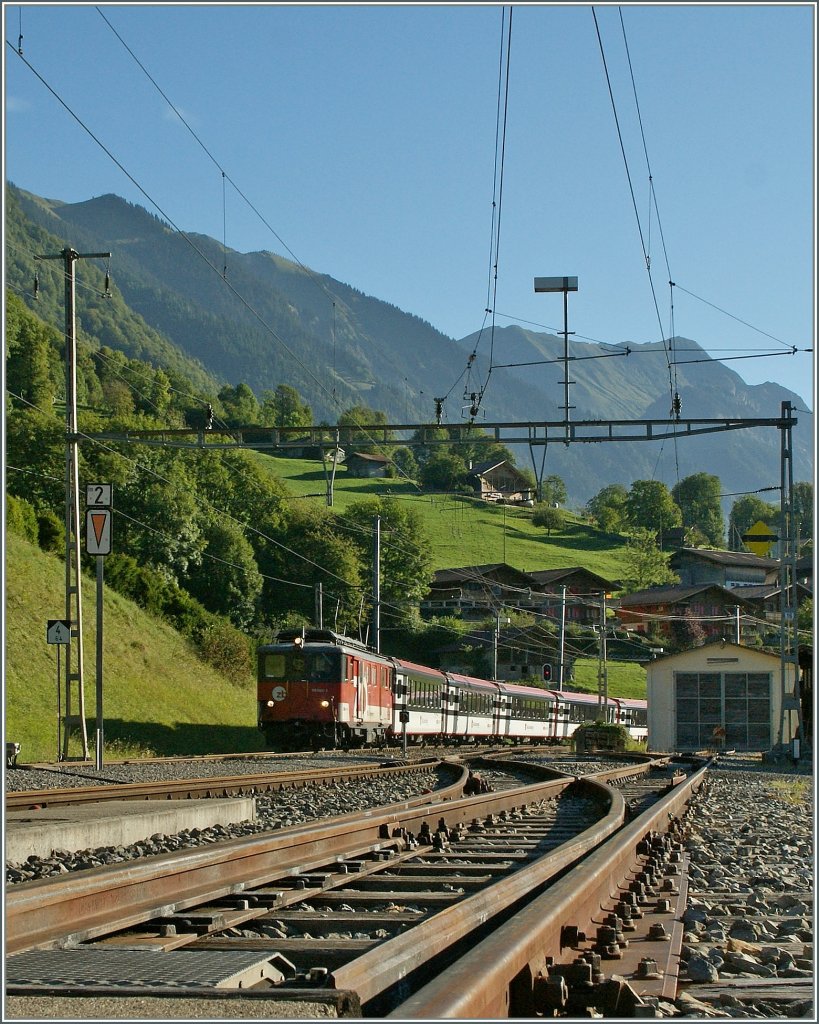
[94, 966]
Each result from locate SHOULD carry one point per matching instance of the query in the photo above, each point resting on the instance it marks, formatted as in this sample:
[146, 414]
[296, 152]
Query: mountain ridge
[263, 319]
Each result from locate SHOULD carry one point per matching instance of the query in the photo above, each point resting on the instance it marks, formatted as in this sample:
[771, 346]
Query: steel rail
[48, 912]
[500, 970]
[223, 786]
[393, 960]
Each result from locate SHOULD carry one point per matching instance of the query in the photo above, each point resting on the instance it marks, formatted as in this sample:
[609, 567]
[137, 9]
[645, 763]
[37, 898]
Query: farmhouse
[731, 569]
[657, 608]
[361, 464]
[499, 481]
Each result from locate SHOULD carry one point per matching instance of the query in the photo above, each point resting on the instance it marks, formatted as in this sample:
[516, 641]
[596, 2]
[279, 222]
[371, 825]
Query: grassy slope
[158, 696]
[466, 532]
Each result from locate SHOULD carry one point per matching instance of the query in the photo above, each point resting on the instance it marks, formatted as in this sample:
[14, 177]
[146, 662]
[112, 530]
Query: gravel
[750, 897]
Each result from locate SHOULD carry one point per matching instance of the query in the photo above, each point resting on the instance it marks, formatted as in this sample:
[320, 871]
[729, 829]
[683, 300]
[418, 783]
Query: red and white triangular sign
[98, 531]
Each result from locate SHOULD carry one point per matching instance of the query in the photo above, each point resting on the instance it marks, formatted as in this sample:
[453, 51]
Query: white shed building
[719, 696]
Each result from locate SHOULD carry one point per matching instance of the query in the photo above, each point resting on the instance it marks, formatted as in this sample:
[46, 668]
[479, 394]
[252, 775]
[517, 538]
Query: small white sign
[278, 693]
[99, 495]
[58, 631]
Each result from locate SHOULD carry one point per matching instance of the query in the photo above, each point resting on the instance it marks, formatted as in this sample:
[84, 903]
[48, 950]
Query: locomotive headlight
[325, 704]
[271, 703]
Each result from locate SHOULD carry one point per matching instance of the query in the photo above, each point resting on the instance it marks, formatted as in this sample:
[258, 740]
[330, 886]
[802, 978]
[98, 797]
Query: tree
[300, 551]
[358, 416]
[403, 464]
[746, 511]
[649, 506]
[548, 517]
[608, 508]
[240, 406]
[553, 491]
[443, 472]
[687, 632]
[227, 579]
[405, 572]
[698, 498]
[31, 347]
[645, 563]
[284, 408]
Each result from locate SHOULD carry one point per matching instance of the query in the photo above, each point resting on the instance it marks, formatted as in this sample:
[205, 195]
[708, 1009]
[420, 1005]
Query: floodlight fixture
[555, 284]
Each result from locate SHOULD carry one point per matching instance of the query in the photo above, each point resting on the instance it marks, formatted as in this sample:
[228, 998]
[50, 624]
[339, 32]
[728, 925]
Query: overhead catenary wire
[475, 393]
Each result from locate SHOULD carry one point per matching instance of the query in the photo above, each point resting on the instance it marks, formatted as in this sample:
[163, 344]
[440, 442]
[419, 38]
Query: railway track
[366, 911]
[202, 788]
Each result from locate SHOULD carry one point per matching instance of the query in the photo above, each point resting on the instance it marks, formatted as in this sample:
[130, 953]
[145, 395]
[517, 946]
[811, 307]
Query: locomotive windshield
[301, 666]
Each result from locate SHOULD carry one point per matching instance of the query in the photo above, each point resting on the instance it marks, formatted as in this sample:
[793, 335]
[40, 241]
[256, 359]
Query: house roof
[369, 458]
[482, 468]
[744, 558]
[677, 594]
[473, 573]
[545, 576]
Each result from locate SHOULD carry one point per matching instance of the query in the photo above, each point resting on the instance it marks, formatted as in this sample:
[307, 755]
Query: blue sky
[365, 137]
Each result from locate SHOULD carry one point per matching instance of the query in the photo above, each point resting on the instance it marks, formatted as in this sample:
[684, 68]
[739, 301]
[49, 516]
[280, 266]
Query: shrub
[51, 532]
[21, 518]
[227, 649]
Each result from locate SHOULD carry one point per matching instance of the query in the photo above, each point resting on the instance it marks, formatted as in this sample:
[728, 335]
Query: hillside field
[462, 530]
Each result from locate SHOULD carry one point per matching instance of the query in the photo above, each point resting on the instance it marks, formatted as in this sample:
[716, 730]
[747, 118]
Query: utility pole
[495, 641]
[377, 583]
[560, 676]
[73, 574]
[565, 285]
[319, 606]
[788, 635]
[602, 666]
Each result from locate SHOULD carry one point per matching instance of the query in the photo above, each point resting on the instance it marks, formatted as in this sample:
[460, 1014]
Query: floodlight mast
[565, 285]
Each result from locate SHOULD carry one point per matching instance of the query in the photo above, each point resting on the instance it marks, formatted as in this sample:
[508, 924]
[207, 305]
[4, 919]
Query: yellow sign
[759, 539]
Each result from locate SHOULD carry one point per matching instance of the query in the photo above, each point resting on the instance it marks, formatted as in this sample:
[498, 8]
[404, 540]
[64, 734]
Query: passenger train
[317, 688]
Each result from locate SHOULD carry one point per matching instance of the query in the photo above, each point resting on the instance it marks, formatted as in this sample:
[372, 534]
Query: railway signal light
[547, 672]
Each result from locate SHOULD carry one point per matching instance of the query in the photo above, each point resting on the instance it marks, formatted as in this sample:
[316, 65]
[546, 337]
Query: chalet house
[499, 481]
[730, 569]
[583, 590]
[476, 591]
[361, 464]
[713, 606]
[766, 600]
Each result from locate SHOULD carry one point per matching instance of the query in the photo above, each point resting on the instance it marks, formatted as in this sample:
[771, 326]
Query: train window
[273, 666]
[322, 668]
